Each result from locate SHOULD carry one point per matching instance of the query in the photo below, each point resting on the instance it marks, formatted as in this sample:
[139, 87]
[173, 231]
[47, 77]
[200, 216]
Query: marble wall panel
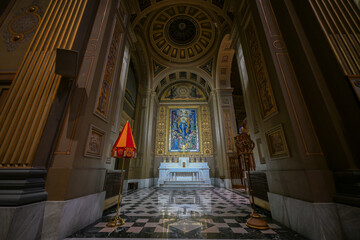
[22, 222]
[312, 220]
[62, 218]
[350, 221]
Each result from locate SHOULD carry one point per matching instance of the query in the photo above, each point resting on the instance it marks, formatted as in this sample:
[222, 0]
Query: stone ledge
[22, 186]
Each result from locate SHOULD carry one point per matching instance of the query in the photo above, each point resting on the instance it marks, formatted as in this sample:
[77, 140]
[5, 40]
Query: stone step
[184, 182]
[177, 186]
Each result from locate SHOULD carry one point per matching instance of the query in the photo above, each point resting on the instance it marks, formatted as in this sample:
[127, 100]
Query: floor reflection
[215, 213]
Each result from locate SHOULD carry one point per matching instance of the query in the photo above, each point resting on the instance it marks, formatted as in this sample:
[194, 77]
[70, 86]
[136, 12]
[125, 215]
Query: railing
[193, 180]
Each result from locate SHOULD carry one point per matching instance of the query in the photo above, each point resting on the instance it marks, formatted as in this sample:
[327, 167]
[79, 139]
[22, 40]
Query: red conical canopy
[125, 144]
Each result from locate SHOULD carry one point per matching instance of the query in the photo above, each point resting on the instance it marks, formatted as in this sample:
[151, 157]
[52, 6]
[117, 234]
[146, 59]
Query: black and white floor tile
[215, 213]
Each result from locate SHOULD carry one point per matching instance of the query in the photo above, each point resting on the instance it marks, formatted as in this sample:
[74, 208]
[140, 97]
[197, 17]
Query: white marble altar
[184, 173]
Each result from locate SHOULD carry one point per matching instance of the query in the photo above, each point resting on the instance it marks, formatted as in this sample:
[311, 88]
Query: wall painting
[263, 85]
[102, 106]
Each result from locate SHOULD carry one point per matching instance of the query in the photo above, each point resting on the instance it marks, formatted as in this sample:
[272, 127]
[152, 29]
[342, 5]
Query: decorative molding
[7, 77]
[277, 143]
[294, 99]
[263, 85]
[228, 131]
[181, 33]
[108, 75]
[157, 68]
[153, 133]
[342, 33]
[95, 142]
[22, 26]
[205, 126]
[161, 131]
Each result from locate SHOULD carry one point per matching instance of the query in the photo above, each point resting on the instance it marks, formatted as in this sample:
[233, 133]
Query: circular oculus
[182, 30]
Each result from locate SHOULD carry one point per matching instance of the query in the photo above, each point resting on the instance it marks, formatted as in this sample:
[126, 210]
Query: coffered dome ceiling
[179, 36]
[181, 33]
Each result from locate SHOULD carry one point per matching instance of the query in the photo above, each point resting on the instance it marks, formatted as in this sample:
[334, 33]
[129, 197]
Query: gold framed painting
[95, 142]
[277, 143]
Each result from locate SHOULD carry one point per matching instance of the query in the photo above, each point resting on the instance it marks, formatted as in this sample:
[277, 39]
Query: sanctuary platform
[184, 174]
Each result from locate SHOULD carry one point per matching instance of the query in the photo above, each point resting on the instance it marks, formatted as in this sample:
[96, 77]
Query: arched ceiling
[168, 79]
[181, 35]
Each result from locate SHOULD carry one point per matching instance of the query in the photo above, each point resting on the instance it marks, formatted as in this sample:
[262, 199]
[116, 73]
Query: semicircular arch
[201, 95]
[223, 63]
[192, 75]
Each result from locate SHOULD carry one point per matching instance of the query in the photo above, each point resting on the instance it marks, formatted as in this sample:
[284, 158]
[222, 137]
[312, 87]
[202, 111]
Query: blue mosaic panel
[183, 130]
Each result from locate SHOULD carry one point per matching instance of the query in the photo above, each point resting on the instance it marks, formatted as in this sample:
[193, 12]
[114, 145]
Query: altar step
[185, 184]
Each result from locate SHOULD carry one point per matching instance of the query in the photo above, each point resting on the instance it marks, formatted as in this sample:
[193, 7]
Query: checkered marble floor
[215, 213]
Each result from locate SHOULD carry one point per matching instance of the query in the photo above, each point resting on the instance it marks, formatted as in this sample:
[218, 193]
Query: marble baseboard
[63, 218]
[223, 183]
[142, 183]
[312, 220]
[22, 222]
[156, 181]
[350, 221]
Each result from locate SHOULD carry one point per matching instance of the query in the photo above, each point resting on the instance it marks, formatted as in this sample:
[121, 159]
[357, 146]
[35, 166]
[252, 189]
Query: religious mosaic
[202, 129]
[263, 85]
[157, 68]
[104, 96]
[183, 92]
[207, 67]
[183, 130]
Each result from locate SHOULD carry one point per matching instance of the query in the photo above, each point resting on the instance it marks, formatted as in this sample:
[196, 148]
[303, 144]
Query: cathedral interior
[190, 78]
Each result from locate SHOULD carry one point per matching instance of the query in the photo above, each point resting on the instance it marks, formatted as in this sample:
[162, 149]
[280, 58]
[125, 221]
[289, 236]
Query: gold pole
[118, 221]
[255, 220]
[245, 147]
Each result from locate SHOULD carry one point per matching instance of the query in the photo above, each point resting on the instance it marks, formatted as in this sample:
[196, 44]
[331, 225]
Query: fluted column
[33, 90]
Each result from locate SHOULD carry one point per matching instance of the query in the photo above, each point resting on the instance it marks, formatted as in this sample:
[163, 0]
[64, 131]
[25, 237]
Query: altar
[184, 174]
